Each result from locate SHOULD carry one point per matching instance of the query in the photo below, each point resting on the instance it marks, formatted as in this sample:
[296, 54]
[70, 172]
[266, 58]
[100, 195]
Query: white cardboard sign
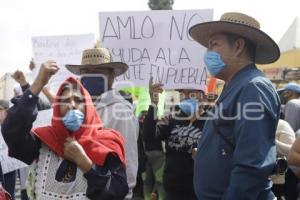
[157, 44]
[63, 49]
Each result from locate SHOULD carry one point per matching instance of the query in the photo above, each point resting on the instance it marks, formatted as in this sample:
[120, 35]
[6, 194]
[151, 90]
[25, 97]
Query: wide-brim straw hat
[97, 58]
[267, 51]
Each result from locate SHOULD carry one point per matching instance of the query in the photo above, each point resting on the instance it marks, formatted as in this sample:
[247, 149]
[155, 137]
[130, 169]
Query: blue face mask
[214, 62]
[73, 120]
[189, 106]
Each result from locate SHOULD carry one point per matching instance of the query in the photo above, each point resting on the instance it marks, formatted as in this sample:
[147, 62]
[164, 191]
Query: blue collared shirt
[247, 114]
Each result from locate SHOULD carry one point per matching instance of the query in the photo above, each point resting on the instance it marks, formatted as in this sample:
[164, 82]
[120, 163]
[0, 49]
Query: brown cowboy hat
[98, 58]
[267, 51]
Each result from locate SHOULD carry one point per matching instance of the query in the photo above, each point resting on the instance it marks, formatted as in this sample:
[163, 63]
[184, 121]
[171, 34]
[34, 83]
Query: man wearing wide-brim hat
[97, 72]
[237, 153]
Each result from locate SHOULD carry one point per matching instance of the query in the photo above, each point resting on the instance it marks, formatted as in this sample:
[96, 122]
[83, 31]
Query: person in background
[290, 96]
[9, 178]
[138, 191]
[97, 73]
[283, 186]
[75, 157]
[180, 131]
[236, 153]
[9, 165]
[155, 159]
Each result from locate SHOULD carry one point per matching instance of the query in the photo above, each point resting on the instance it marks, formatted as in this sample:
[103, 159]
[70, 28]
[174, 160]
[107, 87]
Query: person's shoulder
[256, 77]
[260, 90]
[112, 98]
[284, 127]
[292, 106]
[124, 104]
[252, 79]
[295, 102]
[261, 85]
[261, 80]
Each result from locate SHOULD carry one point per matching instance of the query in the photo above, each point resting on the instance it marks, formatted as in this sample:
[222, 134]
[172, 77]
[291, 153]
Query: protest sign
[156, 43]
[63, 49]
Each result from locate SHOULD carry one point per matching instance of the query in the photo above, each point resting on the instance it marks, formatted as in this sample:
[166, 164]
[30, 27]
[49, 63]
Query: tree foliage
[160, 4]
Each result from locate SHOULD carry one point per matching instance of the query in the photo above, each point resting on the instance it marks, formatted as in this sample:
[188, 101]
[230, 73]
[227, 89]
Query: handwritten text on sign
[63, 49]
[158, 44]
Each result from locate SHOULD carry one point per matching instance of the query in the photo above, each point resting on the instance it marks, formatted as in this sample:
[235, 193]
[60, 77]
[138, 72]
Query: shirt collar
[236, 80]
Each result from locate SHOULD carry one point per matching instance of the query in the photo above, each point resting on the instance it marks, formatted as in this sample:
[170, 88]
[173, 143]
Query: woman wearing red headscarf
[75, 157]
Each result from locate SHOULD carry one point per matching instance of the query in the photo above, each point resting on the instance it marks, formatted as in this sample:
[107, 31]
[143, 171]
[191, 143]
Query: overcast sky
[20, 20]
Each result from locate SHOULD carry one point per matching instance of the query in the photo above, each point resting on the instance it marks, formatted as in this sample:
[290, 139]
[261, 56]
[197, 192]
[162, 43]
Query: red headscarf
[97, 141]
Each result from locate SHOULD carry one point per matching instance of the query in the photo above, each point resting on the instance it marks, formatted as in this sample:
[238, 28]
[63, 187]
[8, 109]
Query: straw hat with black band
[267, 51]
[98, 58]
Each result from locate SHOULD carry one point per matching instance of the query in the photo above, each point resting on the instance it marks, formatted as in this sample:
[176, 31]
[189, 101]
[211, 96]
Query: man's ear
[239, 46]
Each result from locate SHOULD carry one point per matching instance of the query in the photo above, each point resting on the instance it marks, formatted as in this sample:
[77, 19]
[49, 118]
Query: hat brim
[267, 51]
[280, 90]
[118, 67]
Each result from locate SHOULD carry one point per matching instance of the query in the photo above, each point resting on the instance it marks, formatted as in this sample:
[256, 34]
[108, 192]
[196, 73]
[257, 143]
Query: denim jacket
[246, 113]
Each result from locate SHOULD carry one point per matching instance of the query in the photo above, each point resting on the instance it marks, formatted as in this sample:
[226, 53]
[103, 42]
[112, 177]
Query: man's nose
[73, 104]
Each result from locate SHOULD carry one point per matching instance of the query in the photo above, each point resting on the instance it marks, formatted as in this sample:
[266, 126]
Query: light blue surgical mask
[189, 106]
[214, 62]
[73, 120]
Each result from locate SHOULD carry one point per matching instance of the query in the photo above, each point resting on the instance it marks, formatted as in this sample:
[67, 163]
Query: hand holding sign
[154, 90]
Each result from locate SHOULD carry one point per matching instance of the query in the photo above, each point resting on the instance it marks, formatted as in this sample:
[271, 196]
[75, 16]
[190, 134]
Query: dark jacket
[180, 135]
[41, 105]
[247, 114]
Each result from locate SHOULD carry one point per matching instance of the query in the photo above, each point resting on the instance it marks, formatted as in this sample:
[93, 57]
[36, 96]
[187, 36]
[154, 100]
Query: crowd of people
[242, 145]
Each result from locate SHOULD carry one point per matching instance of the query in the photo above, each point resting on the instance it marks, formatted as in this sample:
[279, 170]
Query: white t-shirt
[292, 113]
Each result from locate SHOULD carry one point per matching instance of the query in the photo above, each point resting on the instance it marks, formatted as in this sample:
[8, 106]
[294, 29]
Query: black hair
[249, 45]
